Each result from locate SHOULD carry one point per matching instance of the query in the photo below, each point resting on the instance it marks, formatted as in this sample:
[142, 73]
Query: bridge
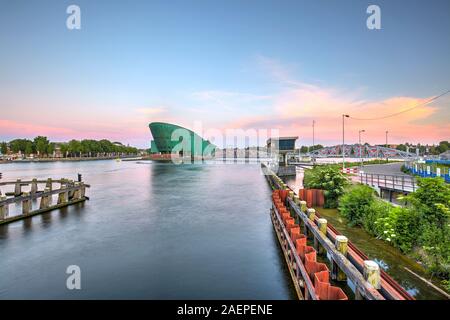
[363, 151]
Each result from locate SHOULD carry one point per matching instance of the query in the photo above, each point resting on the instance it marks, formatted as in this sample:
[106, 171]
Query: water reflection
[149, 231]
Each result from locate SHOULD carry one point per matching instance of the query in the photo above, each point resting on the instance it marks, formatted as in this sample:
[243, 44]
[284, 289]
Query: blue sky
[219, 62]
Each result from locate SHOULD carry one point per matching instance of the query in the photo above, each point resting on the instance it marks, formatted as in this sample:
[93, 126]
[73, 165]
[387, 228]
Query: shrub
[329, 179]
[355, 203]
[377, 210]
[432, 200]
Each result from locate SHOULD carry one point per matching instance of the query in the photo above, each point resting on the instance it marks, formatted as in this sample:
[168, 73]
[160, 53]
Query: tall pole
[387, 145]
[360, 153]
[314, 122]
[343, 140]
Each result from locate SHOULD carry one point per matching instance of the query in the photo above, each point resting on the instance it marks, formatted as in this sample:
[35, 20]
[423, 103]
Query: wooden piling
[341, 244]
[4, 209]
[44, 200]
[18, 188]
[62, 197]
[303, 206]
[34, 187]
[372, 273]
[49, 184]
[26, 203]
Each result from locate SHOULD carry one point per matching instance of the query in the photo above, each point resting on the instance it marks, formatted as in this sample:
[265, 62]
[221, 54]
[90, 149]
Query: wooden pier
[304, 236]
[40, 192]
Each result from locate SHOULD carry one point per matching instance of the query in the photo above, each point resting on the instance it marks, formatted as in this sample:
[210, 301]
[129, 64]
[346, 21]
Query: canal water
[388, 257]
[149, 231]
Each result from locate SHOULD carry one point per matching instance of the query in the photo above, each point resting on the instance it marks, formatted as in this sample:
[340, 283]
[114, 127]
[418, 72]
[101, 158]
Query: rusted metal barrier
[69, 193]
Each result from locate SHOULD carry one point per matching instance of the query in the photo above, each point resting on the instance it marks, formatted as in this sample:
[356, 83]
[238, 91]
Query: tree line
[42, 147]
[442, 147]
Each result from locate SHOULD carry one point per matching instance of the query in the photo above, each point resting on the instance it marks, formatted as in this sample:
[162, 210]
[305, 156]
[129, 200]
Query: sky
[248, 65]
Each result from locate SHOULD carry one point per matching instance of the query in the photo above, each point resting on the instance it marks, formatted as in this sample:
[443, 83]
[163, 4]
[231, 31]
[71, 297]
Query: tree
[4, 148]
[41, 145]
[64, 148]
[50, 149]
[74, 147]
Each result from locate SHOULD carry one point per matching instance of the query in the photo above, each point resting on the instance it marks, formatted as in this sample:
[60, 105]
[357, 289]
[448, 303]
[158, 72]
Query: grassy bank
[421, 229]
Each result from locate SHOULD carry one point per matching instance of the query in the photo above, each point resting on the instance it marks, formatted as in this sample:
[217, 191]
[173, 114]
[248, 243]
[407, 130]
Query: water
[388, 257]
[149, 231]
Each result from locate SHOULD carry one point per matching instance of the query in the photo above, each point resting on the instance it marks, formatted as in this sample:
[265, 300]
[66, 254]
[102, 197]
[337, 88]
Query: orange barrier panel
[318, 272]
[301, 194]
[309, 198]
[295, 233]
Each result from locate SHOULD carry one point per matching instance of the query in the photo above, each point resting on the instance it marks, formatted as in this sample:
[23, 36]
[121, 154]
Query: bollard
[18, 188]
[341, 245]
[372, 273]
[34, 188]
[26, 204]
[4, 209]
[322, 224]
[303, 206]
[311, 214]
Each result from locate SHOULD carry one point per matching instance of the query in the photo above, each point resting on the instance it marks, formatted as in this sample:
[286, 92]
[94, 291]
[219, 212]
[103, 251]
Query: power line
[403, 111]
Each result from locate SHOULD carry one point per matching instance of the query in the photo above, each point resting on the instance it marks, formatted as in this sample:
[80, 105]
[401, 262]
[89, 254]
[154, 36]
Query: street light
[360, 154]
[343, 140]
[314, 122]
[387, 145]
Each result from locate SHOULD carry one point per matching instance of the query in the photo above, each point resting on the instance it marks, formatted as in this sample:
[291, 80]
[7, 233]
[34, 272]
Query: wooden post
[296, 200]
[311, 214]
[34, 188]
[44, 200]
[82, 190]
[49, 184]
[62, 197]
[303, 206]
[76, 194]
[18, 188]
[4, 209]
[372, 273]
[26, 204]
[341, 244]
[322, 224]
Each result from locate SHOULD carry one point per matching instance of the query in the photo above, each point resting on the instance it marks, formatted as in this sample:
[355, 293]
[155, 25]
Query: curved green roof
[167, 136]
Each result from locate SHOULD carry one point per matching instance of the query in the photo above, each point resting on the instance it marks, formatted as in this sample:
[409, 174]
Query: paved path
[388, 169]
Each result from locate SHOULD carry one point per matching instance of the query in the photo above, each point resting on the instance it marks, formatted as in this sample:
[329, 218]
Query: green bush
[328, 178]
[377, 210]
[356, 203]
[422, 227]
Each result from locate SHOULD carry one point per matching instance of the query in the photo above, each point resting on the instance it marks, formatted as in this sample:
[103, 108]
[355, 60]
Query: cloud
[151, 111]
[297, 104]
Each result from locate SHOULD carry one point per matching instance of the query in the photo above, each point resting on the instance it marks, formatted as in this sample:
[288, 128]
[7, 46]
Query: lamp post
[343, 140]
[387, 144]
[314, 122]
[360, 154]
